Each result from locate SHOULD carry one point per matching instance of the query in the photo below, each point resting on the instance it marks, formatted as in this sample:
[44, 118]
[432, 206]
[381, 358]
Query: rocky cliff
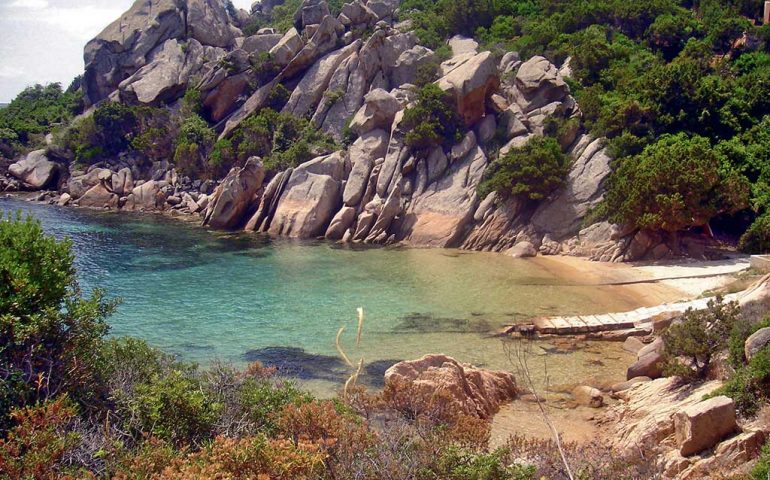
[357, 68]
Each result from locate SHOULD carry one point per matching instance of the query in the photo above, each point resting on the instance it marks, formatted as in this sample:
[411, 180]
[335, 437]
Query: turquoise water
[211, 296]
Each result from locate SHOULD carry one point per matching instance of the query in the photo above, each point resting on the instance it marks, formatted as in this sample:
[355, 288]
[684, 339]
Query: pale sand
[649, 284]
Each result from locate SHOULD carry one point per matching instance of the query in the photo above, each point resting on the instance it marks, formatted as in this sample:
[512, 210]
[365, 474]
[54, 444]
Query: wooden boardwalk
[640, 320]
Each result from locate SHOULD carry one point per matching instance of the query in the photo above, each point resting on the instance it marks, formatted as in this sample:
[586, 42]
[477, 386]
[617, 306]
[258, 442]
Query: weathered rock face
[148, 197]
[441, 215]
[310, 198]
[127, 44]
[35, 170]
[166, 77]
[472, 390]
[538, 84]
[667, 421]
[99, 196]
[234, 195]
[704, 424]
[379, 110]
[471, 82]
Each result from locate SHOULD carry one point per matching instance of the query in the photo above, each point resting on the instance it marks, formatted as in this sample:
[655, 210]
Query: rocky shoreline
[379, 190]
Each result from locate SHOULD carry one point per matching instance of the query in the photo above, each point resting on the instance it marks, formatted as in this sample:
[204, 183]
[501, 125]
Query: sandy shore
[646, 285]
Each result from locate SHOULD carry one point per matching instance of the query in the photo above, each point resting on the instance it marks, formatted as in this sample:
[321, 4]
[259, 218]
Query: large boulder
[363, 153]
[538, 83]
[649, 361]
[409, 65]
[474, 391]
[470, 83]
[233, 197]
[310, 198]
[147, 197]
[644, 420]
[442, 214]
[261, 43]
[127, 44]
[704, 424]
[310, 89]
[123, 47]
[78, 185]
[756, 342]
[378, 111]
[35, 170]
[166, 77]
[209, 23]
[287, 47]
[99, 196]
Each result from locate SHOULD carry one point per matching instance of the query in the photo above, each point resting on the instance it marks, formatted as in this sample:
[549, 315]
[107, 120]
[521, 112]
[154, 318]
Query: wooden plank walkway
[641, 318]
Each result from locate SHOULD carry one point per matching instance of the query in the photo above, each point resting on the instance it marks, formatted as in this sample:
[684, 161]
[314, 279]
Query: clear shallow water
[209, 296]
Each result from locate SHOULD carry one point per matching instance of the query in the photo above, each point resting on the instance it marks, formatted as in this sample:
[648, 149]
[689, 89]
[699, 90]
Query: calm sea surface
[209, 296]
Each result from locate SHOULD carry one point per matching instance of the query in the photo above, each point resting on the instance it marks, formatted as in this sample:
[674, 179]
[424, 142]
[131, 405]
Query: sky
[41, 41]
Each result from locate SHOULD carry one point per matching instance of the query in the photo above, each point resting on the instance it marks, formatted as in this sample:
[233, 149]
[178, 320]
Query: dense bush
[693, 342]
[49, 332]
[532, 171]
[114, 128]
[677, 182]
[433, 119]
[281, 140]
[34, 113]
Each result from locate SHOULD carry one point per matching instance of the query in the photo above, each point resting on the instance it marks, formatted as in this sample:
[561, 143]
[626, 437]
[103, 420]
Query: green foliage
[281, 140]
[691, 344]
[532, 171]
[675, 183]
[742, 330]
[34, 113]
[461, 464]
[49, 332]
[114, 128]
[748, 386]
[756, 239]
[433, 119]
[193, 146]
[761, 469]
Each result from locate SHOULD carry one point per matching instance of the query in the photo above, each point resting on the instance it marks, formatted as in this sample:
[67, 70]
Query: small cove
[211, 296]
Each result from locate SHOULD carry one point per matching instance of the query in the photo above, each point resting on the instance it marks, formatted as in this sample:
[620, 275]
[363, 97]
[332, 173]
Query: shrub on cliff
[432, 121]
[531, 172]
[678, 182]
[692, 343]
[50, 333]
[193, 146]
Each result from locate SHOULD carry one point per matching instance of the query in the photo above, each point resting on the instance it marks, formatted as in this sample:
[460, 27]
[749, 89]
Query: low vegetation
[530, 172]
[432, 120]
[35, 112]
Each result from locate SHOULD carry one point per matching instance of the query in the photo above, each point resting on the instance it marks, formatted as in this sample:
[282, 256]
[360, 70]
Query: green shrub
[756, 239]
[460, 464]
[432, 121]
[748, 386]
[692, 343]
[761, 470]
[675, 183]
[195, 141]
[34, 113]
[741, 331]
[532, 171]
[49, 332]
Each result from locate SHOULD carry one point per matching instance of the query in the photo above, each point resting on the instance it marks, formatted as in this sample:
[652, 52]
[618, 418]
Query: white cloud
[30, 4]
[10, 71]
